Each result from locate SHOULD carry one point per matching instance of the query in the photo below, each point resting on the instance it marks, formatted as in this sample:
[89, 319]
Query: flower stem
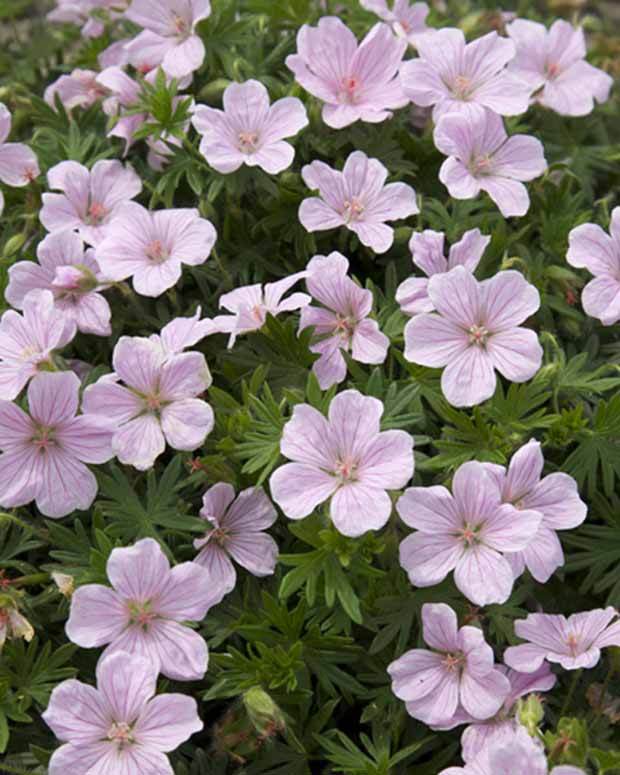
[571, 692]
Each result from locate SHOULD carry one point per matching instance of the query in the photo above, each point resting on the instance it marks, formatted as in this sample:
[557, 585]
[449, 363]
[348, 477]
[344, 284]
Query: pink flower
[249, 130]
[455, 76]
[552, 64]
[555, 497]
[355, 82]
[182, 333]
[407, 21]
[77, 90]
[169, 33]
[152, 247]
[144, 611]
[573, 643]
[458, 673]
[599, 253]
[44, 452]
[483, 158]
[18, 163]
[251, 304]
[356, 198]
[157, 404]
[91, 199]
[468, 532]
[344, 457]
[77, 12]
[27, 341]
[71, 274]
[115, 55]
[120, 726]
[342, 324]
[237, 526]
[427, 251]
[475, 331]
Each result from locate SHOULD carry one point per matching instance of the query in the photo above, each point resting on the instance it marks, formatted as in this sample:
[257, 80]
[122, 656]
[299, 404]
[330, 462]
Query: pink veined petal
[216, 561]
[440, 704]
[139, 572]
[18, 164]
[298, 488]
[5, 123]
[354, 422]
[139, 442]
[79, 758]
[469, 378]
[329, 183]
[154, 280]
[369, 344]
[520, 157]
[135, 758]
[357, 507]
[376, 62]
[188, 594]
[183, 59]
[412, 296]
[610, 636]
[78, 713]
[88, 438]
[216, 501]
[251, 511]
[167, 721]
[273, 158]
[254, 551]
[429, 558]
[459, 181]
[457, 296]
[416, 674]
[16, 427]
[550, 631]
[589, 246]
[286, 118]
[505, 93]
[468, 250]
[376, 236]
[341, 116]
[507, 300]
[484, 576]
[430, 509]
[432, 340]
[387, 461]
[111, 401]
[331, 368]
[446, 55]
[20, 476]
[138, 362]
[66, 484]
[526, 658]
[98, 616]
[457, 137]
[317, 215]
[516, 353]
[182, 653]
[187, 423]
[363, 178]
[543, 555]
[53, 397]
[474, 491]
[510, 529]
[422, 83]
[509, 195]
[524, 472]
[557, 498]
[221, 154]
[440, 627]
[483, 696]
[92, 314]
[601, 299]
[25, 276]
[307, 438]
[126, 684]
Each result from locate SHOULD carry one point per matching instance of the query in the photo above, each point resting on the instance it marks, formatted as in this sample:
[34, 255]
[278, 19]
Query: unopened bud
[530, 712]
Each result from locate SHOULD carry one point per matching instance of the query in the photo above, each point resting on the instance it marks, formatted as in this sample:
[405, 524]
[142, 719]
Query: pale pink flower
[237, 533]
[157, 403]
[572, 643]
[115, 55]
[555, 497]
[144, 610]
[408, 21]
[91, 199]
[251, 304]
[18, 163]
[249, 130]
[78, 12]
[151, 247]
[475, 331]
[182, 333]
[468, 532]
[356, 198]
[591, 248]
[71, 274]
[44, 452]
[120, 727]
[169, 33]
[427, 252]
[552, 64]
[458, 674]
[28, 341]
[483, 158]
[344, 457]
[455, 76]
[342, 324]
[355, 82]
[79, 89]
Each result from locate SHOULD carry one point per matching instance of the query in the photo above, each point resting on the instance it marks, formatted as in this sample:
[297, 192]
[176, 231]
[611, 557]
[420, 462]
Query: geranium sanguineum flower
[120, 726]
[555, 496]
[457, 77]
[427, 252]
[181, 333]
[71, 274]
[249, 130]
[18, 163]
[406, 19]
[78, 89]
[476, 330]
[355, 82]
[344, 457]
[151, 247]
[157, 403]
[589, 247]
[144, 610]
[572, 642]
[343, 323]
[552, 64]
[468, 532]
[44, 452]
[459, 672]
[237, 533]
[91, 199]
[483, 158]
[356, 198]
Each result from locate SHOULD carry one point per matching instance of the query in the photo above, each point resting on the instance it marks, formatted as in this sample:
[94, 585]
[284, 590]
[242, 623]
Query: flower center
[573, 644]
[353, 210]
[481, 165]
[247, 141]
[30, 174]
[552, 70]
[345, 327]
[180, 25]
[452, 662]
[219, 535]
[349, 88]
[96, 214]
[478, 335]
[462, 88]
[43, 438]
[346, 470]
[153, 402]
[121, 733]
[469, 534]
[156, 252]
[141, 614]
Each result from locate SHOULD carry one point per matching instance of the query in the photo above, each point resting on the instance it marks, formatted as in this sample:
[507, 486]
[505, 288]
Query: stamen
[121, 733]
[156, 252]
[349, 88]
[573, 644]
[96, 214]
[247, 141]
[462, 87]
[346, 469]
[452, 662]
[353, 210]
[478, 335]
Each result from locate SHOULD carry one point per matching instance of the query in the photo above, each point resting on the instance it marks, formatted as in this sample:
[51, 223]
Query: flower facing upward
[552, 64]
[468, 532]
[18, 163]
[483, 158]
[356, 198]
[249, 130]
[120, 726]
[458, 673]
[342, 324]
[573, 643]
[408, 21]
[354, 82]
[144, 610]
[474, 331]
[344, 457]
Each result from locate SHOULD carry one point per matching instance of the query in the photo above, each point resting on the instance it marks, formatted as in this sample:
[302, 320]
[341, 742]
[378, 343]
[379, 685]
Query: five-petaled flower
[18, 164]
[408, 21]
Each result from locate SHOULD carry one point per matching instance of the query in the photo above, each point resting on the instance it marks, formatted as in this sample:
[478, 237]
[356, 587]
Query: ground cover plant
[309, 387]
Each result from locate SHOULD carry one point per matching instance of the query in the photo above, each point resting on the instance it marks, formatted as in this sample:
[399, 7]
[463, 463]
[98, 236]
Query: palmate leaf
[376, 758]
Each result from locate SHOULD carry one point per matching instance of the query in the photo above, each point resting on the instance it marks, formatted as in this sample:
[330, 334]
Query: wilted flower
[356, 198]
[344, 457]
[18, 163]
[355, 82]
[13, 624]
[64, 582]
[120, 726]
[249, 130]
[79, 89]
[407, 21]
[458, 674]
